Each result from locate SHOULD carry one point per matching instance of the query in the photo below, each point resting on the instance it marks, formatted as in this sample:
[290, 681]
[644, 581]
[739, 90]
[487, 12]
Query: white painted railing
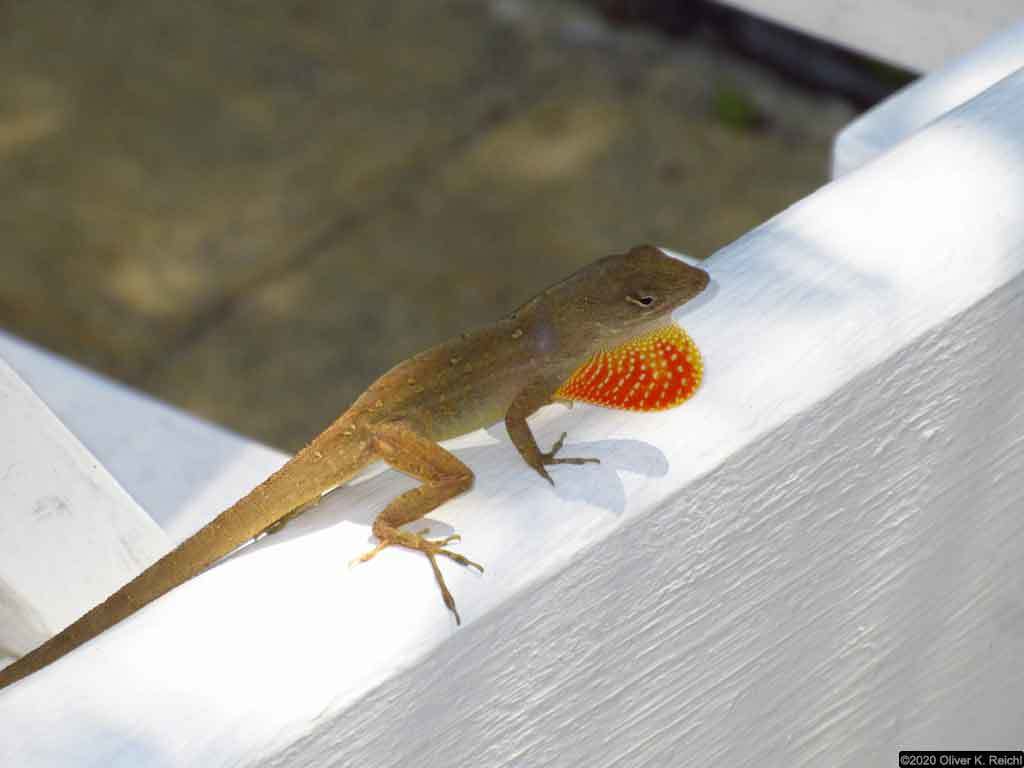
[886, 125]
[815, 562]
[71, 534]
[57, 498]
[920, 35]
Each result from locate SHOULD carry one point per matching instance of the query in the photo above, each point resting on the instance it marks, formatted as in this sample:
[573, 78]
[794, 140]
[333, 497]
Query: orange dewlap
[658, 370]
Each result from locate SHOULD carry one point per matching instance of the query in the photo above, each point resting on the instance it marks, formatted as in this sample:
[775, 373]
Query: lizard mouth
[700, 300]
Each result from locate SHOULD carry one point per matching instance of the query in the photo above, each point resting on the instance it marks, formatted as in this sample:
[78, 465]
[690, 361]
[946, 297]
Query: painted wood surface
[69, 534]
[910, 109]
[921, 35]
[181, 469]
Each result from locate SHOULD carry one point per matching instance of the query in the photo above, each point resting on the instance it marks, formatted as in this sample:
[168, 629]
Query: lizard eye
[641, 300]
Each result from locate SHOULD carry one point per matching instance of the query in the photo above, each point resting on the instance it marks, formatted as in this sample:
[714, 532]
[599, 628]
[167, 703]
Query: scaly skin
[507, 371]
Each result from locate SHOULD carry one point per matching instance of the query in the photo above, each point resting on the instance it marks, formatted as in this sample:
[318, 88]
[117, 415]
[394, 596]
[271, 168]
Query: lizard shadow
[599, 485]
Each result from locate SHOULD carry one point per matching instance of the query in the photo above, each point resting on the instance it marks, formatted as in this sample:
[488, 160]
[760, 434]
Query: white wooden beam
[816, 561]
[917, 34]
[180, 469]
[910, 109]
[69, 534]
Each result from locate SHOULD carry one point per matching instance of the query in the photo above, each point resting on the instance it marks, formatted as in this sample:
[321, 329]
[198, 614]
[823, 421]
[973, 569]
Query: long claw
[368, 555]
[440, 542]
[446, 596]
[557, 446]
[544, 473]
[460, 559]
[575, 461]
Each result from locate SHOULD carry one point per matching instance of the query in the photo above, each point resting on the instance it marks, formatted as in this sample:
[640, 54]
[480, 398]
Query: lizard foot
[548, 458]
[431, 548]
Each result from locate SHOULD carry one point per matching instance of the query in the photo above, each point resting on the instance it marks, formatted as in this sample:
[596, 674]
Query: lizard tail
[297, 484]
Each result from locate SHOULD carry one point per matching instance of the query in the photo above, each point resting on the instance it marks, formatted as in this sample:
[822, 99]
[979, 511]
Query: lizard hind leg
[443, 476]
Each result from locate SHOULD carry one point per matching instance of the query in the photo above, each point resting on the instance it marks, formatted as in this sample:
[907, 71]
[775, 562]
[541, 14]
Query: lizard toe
[550, 458]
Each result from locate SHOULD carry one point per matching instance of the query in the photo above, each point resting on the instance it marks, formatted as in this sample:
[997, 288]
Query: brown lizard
[602, 335]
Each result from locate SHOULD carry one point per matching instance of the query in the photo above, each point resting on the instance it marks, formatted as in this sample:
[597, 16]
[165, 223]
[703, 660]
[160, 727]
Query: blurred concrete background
[253, 209]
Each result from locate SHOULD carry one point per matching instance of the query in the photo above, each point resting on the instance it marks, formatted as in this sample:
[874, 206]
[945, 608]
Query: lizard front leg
[534, 397]
[443, 476]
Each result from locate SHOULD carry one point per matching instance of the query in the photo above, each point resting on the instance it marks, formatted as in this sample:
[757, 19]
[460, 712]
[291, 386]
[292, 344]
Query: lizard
[603, 335]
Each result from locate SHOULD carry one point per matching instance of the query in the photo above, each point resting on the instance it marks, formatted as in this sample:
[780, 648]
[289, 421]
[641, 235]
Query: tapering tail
[297, 484]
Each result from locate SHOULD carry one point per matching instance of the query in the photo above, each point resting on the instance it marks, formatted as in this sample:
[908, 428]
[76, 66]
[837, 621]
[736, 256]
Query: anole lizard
[603, 335]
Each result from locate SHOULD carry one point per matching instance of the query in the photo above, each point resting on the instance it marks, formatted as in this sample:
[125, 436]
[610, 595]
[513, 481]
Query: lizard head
[626, 294]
